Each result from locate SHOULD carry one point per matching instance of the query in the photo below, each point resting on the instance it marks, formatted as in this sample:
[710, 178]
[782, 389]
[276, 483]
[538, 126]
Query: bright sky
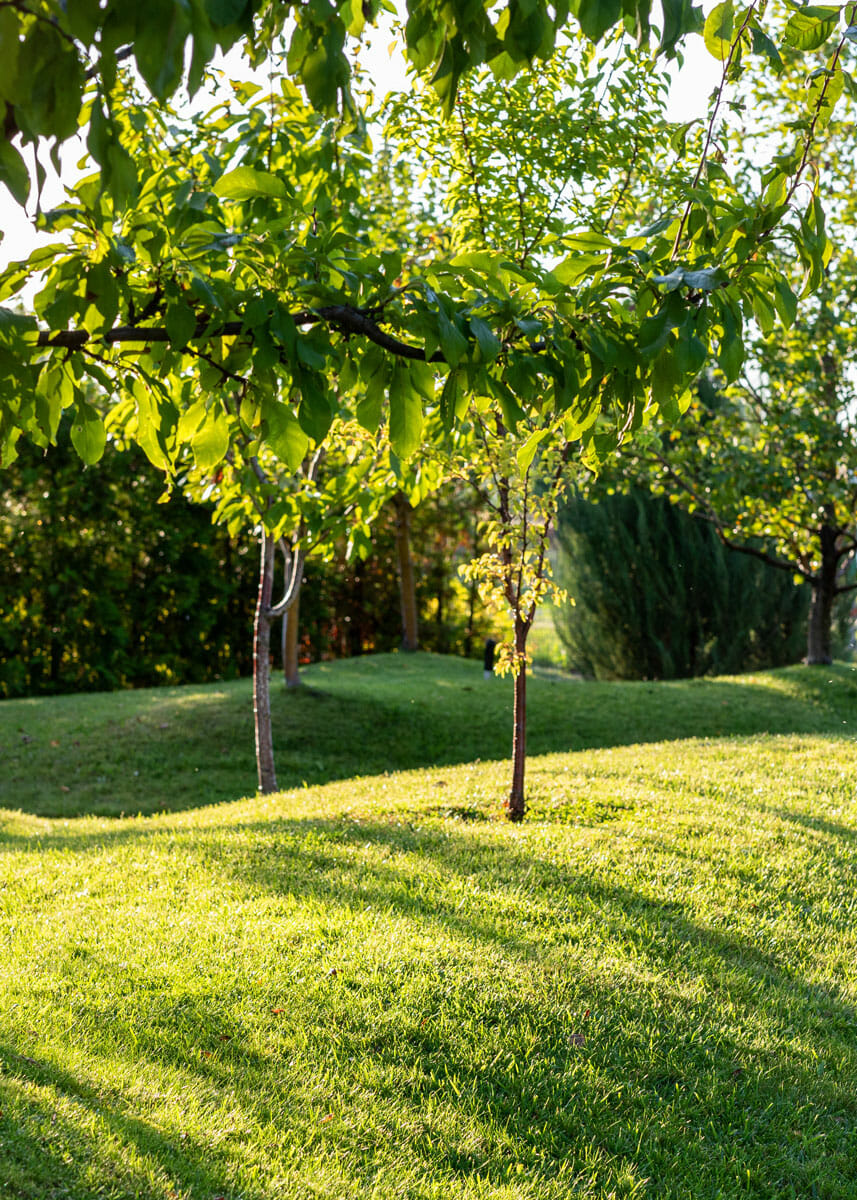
[688, 99]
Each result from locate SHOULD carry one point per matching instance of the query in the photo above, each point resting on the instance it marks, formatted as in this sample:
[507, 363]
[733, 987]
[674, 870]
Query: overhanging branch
[342, 317]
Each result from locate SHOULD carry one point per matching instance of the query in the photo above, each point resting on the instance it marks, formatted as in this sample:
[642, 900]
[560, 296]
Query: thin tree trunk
[407, 586]
[262, 668]
[515, 805]
[291, 629]
[818, 652]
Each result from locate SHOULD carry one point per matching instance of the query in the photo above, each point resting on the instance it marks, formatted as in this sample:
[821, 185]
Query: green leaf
[449, 400]
[84, 18]
[719, 30]
[371, 403]
[88, 435]
[706, 280]
[597, 16]
[824, 87]
[669, 283]
[680, 17]
[423, 378]
[452, 342]
[730, 355]
[508, 401]
[406, 414]
[159, 45]
[324, 70]
[284, 434]
[245, 183]
[226, 12]
[315, 413]
[785, 302]
[810, 27]
[763, 45]
[211, 441]
[180, 321]
[527, 452]
[666, 379]
[13, 172]
[487, 340]
[10, 46]
[190, 421]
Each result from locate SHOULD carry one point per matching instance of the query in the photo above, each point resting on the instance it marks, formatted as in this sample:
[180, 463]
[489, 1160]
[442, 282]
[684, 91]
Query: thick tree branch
[342, 317]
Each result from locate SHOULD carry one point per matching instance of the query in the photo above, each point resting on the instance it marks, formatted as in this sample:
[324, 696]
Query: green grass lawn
[371, 987]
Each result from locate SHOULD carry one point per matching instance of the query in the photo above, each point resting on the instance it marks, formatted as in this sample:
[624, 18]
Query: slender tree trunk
[818, 651]
[406, 572]
[515, 805]
[262, 669]
[291, 629]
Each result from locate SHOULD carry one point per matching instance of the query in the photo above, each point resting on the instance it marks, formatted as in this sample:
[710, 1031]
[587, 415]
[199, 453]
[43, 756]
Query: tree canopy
[219, 274]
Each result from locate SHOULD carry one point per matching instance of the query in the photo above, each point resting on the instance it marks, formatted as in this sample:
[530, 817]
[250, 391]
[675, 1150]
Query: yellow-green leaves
[810, 27]
[211, 440]
[527, 452]
[719, 30]
[823, 89]
[246, 183]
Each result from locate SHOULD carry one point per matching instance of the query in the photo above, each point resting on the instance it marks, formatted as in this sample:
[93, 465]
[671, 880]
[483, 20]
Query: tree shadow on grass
[380, 715]
[513, 1084]
[62, 1136]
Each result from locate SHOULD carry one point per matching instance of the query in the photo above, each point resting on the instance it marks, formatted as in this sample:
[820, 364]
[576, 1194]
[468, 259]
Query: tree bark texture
[407, 586]
[262, 669]
[291, 629]
[515, 805]
[818, 651]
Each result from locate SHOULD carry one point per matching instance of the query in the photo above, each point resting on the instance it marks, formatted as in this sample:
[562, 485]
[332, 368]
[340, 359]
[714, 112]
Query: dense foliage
[103, 587]
[657, 596]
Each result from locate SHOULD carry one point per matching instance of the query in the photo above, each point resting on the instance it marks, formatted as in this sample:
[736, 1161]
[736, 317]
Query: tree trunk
[515, 805]
[262, 669]
[406, 572]
[823, 596]
[291, 629]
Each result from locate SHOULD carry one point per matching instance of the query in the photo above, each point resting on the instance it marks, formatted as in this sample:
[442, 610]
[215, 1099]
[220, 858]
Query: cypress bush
[657, 596]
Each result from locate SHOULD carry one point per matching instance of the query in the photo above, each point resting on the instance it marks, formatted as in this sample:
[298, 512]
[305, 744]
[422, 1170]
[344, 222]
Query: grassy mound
[173, 748]
[372, 987]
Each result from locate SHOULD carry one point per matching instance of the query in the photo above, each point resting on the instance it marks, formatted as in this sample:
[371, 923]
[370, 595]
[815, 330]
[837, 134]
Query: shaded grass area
[174, 748]
[375, 989]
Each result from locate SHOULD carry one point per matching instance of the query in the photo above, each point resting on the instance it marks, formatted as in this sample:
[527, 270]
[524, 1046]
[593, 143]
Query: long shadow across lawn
[663, 1079]
[171, 749]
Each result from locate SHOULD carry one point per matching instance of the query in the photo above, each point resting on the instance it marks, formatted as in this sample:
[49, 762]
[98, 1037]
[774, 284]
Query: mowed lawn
[369, 986]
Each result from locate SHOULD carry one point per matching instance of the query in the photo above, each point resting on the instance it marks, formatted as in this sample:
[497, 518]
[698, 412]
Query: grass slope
[370, 988]
[172, 748]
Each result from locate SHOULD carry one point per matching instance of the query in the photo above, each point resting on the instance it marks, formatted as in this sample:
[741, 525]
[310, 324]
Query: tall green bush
[656, 595]
[102, 586]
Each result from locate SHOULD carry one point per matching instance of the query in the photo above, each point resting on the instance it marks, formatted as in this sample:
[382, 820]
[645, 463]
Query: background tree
[769, 457]
[516, 164]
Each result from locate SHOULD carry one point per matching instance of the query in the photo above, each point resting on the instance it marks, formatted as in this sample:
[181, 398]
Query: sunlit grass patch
[375, 987]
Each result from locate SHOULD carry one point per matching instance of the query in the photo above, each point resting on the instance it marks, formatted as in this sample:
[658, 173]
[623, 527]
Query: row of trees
[255, 286]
